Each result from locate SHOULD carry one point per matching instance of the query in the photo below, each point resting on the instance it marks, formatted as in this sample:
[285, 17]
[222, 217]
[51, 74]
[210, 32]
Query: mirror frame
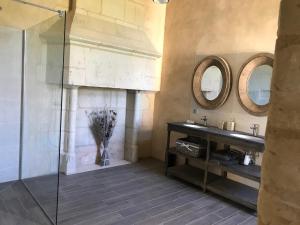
[242, 87]
[197, 78]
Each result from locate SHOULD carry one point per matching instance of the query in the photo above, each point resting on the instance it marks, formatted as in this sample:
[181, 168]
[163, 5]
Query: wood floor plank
[251, 221]
[206, 220]
[227, 211]
[166, 215]
[235, 219]
[194, 215]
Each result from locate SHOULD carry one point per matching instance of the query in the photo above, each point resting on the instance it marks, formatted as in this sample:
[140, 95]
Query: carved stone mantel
[92, 64]
[111, 54]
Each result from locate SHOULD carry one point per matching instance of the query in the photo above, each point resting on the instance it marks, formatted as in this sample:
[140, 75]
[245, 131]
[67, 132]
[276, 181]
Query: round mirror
[254, 87]
[212, 82]
[259, 84]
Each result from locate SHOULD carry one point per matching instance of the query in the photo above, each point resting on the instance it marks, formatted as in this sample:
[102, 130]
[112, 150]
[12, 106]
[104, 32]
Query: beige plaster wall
[231, 29]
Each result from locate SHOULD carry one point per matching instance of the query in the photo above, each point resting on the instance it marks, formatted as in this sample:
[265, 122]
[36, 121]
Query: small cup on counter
[229, 125]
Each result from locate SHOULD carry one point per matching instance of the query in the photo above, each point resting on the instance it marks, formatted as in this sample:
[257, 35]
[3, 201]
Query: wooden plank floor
[140, 194]
[136, 194]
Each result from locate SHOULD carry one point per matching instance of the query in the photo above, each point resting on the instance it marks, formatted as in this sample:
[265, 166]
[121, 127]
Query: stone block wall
[137, 14]
[279, 197]
[115, 44]
[139, 125]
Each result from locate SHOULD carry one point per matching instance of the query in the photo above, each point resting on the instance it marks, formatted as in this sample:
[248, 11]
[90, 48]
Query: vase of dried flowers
[98, 155]
[105, 155]
[102, 124]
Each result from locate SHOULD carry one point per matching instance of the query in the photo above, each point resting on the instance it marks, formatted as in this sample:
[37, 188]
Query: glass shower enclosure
[31, 82]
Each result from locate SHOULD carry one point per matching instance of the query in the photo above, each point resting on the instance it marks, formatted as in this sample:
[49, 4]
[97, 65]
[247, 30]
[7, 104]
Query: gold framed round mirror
[212, 82]
[254, 84]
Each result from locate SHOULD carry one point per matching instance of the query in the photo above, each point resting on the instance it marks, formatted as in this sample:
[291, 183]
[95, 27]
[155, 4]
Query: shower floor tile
[17, 206]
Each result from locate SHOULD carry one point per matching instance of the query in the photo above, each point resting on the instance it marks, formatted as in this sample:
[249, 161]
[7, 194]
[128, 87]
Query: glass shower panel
[10, 101]
[42, 99]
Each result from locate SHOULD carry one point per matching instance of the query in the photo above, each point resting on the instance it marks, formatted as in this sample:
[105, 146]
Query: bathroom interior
[149, 112]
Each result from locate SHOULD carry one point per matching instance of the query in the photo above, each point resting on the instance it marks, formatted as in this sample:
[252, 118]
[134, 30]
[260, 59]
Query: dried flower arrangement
[102, 124]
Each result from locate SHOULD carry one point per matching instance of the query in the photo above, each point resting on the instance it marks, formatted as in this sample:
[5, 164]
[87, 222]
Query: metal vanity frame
[218, 184]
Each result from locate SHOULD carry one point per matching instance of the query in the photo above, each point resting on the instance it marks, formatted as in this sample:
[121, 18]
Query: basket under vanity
[201, 174]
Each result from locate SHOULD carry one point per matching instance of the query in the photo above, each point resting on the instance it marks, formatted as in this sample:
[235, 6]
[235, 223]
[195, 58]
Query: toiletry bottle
[231, 125]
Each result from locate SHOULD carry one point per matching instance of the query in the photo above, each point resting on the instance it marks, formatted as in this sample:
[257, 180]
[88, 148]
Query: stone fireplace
[132, 135]
[90, 99]
[116, 64]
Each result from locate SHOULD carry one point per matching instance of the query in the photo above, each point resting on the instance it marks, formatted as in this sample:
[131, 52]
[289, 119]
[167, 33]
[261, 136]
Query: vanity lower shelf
[191, 175]
[234, 191]
[227, 188]
[251, 172]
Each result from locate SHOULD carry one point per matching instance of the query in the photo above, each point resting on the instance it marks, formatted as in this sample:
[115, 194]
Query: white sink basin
[194, 126]
[248, 137]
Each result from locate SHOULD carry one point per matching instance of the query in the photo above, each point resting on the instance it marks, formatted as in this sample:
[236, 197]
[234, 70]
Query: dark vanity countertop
[257, 140]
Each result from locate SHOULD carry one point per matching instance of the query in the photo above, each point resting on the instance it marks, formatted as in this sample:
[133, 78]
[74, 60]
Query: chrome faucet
[255, 129]
[204, 119]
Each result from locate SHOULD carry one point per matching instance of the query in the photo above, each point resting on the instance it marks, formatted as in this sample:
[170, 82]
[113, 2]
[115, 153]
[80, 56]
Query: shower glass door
[41, 111]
